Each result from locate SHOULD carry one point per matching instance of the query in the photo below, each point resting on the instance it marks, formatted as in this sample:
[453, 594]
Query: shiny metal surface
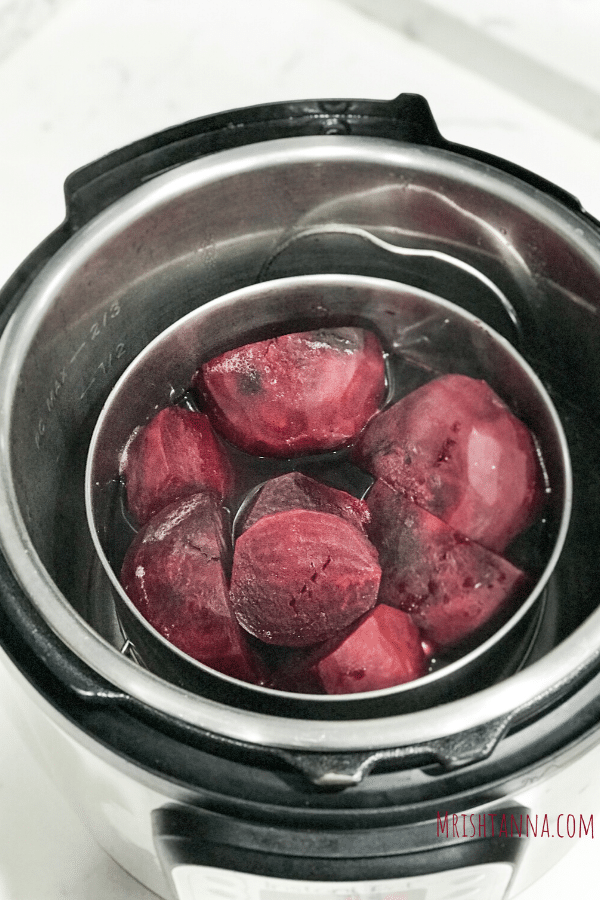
[217, 225]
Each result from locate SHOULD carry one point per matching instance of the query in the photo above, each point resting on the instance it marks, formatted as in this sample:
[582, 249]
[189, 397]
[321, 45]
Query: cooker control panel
[488, 881]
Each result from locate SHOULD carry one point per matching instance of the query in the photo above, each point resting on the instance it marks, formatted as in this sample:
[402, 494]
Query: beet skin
[457, 450]
[300, 576]
[174, 575]
[383, 650]
[297, 491]
[296, 394]
[174, 455]
[450, 585]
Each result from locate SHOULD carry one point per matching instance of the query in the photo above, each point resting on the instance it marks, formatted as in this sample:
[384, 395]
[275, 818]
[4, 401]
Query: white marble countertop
[79, 78]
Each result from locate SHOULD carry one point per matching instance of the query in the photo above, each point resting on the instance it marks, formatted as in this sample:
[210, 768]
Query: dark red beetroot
[297, 491]
[174, 574]
[450, 585]
[301, 576]
[300, 393]
[381, 650]
[456, 449]
[173, 456]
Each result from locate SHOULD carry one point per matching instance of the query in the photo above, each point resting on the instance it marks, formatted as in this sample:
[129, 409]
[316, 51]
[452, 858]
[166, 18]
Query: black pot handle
[95, 186]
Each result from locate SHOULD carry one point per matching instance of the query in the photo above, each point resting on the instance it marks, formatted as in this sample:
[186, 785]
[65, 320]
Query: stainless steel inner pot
[424, 336]
[279, 209]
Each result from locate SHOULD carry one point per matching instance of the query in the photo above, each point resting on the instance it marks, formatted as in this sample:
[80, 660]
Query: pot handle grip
[345, 769]
[95, 186]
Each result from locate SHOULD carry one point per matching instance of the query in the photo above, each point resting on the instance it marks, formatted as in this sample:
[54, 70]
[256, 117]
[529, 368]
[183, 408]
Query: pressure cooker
[201, 786]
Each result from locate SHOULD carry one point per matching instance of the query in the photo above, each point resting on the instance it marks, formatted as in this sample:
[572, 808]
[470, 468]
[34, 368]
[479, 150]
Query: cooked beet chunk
[383, 651]
[456, 449]
[295, 394]
[450, 585]
[173, 456]
[297, 491]
[300, 576]
[174, 575]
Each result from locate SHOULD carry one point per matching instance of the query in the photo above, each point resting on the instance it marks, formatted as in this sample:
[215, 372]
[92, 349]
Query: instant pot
[210, 788]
